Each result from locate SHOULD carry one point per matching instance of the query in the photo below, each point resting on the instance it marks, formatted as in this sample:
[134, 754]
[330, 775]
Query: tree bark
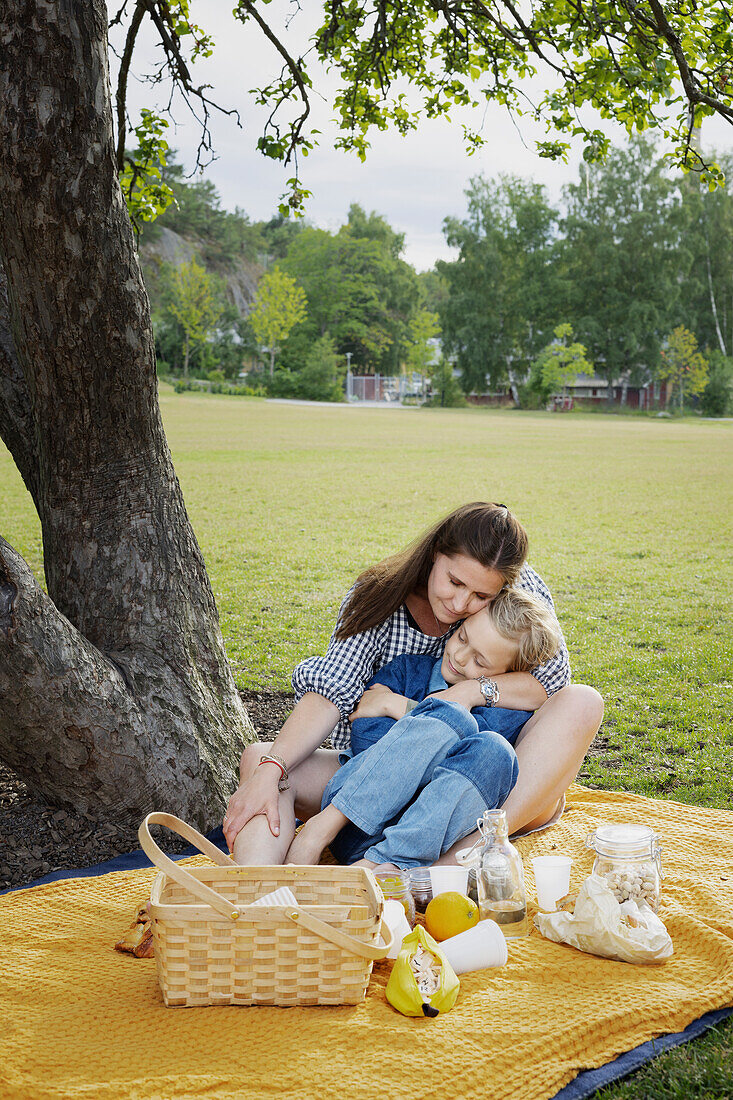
[123, 660]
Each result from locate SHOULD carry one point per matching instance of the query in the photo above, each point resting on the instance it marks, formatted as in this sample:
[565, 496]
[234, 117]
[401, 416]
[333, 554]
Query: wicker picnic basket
[213, 947]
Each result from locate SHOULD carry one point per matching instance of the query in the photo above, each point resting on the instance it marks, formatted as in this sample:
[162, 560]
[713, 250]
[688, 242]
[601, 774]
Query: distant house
[499, 398]
[589, 389]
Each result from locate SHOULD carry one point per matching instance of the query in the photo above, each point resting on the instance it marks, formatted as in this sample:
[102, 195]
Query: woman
[410, 604]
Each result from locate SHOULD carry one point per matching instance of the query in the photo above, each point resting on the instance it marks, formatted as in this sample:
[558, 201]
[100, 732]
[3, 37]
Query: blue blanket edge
[584, 1085]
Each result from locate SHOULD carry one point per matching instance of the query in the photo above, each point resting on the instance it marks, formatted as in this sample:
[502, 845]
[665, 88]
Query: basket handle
[225, 908]
[340, 939]
[199, 889]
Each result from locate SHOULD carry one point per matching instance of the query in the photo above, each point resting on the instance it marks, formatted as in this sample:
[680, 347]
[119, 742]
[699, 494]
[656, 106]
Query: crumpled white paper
[602, 926]
[282, 896]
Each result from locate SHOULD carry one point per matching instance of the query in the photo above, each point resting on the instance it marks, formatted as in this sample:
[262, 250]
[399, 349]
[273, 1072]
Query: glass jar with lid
[629, 858]
[396, 884]
[422, 887]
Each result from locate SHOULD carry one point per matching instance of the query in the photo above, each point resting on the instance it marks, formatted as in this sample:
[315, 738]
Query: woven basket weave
[213, 947]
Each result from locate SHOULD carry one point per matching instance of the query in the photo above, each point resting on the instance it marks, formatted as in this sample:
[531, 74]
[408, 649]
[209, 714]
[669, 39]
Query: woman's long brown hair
[489, 533]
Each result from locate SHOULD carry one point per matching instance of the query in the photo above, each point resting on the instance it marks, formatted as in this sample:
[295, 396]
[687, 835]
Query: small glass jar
[422, 887]
[629, 858]
[396, 884]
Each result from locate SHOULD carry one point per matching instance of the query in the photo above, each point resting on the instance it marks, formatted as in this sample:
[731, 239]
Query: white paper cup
[476, 948]
[394, 916]
[552, 878]
[448, 878]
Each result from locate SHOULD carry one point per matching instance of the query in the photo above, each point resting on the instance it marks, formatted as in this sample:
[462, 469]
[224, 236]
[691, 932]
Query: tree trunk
[186, 351]
[115, 691]
[713, 303]
[272, 362]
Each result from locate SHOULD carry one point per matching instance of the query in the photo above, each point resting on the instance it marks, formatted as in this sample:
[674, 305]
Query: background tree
[195, 303]
[682, 366]
[321, 378]
[502, 295]
[359, 291]
[717, 397]
[445, 390]
[560, 363]
[424, 326]
[221, 236]
[706, 273]
[620, 260]
[433, 290]
[280, 305]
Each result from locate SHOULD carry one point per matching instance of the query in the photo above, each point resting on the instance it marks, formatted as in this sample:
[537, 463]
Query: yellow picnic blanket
[81, 1020]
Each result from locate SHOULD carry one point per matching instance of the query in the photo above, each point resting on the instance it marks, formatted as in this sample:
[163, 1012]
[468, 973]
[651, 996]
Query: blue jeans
[421, 787]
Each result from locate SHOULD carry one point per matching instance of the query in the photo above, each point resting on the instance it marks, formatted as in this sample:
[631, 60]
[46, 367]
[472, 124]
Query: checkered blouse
[341, 674]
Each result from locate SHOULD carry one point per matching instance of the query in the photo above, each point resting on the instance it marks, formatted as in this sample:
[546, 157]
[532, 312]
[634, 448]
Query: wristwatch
[489, 690]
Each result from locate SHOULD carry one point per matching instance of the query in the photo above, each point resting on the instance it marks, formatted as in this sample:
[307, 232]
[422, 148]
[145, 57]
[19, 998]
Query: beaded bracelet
[282, 783]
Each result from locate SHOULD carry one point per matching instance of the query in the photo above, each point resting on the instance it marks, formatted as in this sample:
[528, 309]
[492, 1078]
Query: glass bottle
[500, 877]
[396, 884]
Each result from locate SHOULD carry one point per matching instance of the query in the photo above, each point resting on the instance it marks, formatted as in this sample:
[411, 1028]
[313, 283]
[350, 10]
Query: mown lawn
[629, 522]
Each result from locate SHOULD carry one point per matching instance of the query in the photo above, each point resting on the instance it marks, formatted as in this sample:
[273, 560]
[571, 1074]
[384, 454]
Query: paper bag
[601, 926]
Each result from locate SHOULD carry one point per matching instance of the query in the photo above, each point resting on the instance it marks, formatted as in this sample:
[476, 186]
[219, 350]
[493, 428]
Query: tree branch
[121, 97]
[689, 83]
[293, 66]
[177, 67]
[62, 704]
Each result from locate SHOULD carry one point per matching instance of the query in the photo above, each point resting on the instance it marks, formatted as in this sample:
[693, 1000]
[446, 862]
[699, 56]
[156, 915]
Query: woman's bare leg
[255, 843]
[550, 750]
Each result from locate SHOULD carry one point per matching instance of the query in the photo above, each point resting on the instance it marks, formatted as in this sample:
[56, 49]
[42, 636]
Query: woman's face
[459, 586]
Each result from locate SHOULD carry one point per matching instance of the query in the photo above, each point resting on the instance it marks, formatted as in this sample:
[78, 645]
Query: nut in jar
[628, 857]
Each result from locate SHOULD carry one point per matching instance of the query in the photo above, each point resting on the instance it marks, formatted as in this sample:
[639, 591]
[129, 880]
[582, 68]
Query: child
[423, 772]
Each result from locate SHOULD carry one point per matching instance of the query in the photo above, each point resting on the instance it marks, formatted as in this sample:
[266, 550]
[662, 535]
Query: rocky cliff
[240, 276]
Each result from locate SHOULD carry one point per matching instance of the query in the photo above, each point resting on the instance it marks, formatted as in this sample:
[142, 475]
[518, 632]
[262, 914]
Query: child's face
[476, 649]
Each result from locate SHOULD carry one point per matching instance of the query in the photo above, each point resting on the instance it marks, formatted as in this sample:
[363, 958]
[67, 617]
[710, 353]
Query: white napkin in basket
[282, 896]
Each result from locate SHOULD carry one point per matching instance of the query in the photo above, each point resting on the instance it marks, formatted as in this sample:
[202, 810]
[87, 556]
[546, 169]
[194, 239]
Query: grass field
[629, 523]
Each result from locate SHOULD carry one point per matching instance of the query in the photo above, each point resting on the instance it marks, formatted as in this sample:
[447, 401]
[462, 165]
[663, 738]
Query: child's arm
[379, 701]
[385, 696]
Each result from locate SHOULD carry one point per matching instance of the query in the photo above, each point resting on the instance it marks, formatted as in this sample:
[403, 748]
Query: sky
[414, 182]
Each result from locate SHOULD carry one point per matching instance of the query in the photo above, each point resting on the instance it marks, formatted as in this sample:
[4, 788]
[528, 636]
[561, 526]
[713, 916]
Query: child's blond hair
[527, 621]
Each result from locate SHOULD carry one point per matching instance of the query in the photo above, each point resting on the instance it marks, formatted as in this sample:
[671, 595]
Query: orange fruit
[449, 914]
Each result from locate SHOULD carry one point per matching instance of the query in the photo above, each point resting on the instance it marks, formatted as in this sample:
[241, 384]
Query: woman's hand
[517, 691]
[257, 795]
[380, 702]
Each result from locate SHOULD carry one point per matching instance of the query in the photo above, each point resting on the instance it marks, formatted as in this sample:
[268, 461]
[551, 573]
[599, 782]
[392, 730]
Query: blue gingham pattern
[347, 666]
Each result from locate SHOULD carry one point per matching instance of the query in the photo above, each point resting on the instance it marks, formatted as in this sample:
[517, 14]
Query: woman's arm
[341, 674]
[326, 689]
[517, 691]
[555, 673]
[303, 731]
